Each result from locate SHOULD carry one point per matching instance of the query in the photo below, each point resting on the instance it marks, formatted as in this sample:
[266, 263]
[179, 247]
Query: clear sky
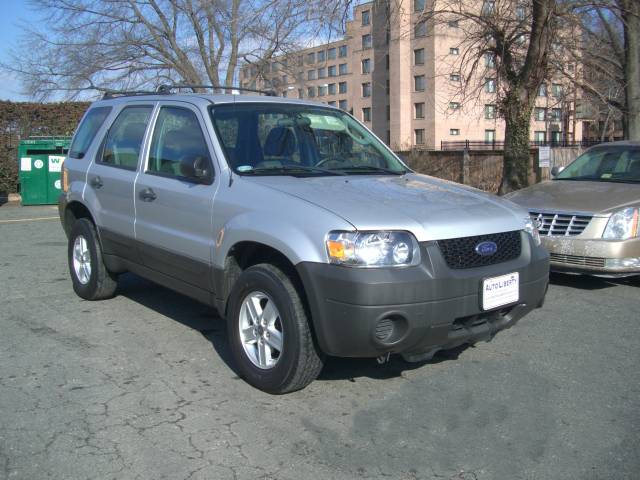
[12, 12]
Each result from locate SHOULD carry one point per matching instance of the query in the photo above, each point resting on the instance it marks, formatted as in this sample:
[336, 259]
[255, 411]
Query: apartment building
[401, 77]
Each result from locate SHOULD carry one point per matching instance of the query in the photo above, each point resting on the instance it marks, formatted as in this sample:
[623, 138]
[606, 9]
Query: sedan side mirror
[556, 170]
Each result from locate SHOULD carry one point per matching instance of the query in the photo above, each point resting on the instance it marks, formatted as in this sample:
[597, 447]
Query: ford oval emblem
[486, 249]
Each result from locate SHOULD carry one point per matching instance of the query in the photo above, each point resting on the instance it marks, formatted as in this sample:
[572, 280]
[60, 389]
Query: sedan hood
[430, 208]
[578, 196]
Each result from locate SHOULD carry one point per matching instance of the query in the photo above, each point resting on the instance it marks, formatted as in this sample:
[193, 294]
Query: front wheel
[269, 332]
[90, 277]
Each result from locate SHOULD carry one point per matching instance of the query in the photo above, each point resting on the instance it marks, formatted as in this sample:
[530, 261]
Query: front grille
[461, 252]
[577, 260]
[560, 224]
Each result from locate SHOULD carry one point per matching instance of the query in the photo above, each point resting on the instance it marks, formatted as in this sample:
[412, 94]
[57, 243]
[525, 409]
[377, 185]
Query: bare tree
[99, 45]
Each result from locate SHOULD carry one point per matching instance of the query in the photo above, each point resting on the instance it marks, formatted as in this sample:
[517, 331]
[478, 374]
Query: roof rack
[125, 93]
[165, 89]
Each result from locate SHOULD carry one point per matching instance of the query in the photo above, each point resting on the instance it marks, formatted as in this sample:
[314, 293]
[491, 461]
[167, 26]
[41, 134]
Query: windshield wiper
[369, 169]
[289, 169]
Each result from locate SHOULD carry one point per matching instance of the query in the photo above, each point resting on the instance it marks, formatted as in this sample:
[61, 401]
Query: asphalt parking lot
[140, 386]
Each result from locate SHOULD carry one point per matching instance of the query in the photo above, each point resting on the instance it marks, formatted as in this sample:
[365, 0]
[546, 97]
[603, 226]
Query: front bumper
[427, 308]
[591, 256]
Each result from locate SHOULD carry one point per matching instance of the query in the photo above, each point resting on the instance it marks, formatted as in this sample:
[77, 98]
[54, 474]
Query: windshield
[300, 140]
[605, 164]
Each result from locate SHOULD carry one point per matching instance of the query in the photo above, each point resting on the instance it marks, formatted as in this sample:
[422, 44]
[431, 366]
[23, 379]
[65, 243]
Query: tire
[299, 361]
[96, 282]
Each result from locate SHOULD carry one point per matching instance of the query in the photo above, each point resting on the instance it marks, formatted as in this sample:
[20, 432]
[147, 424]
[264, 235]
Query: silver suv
[298, 225]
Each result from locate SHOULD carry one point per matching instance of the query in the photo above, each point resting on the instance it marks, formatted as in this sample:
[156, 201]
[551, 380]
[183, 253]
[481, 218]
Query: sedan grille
[560, 224]
[461, 253]
[577, 260]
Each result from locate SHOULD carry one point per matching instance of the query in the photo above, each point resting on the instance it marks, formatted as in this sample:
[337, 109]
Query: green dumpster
[39, 166]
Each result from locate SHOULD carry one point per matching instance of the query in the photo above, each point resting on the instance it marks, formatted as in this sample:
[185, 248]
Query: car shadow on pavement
[206, 320]
[587, 282]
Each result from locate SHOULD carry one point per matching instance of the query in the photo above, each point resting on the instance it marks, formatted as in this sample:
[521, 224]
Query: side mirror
[195, 168]
[556, 170]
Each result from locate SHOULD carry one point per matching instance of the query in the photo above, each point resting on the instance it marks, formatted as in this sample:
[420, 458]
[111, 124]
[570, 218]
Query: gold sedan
[587, 215]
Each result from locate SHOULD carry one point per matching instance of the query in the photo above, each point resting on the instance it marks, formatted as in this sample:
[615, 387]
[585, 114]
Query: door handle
[148, 195]
[96, 182]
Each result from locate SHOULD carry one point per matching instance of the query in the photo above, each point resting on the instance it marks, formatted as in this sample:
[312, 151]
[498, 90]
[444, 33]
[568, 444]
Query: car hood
[430, 208]
[578, 196]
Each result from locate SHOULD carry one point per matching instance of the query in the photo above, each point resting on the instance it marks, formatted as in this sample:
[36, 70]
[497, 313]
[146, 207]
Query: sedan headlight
[532, 230]
[622, 225]
[373, 249]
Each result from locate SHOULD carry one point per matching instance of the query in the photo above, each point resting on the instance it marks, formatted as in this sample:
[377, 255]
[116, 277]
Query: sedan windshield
[299, 140]
[605, 164]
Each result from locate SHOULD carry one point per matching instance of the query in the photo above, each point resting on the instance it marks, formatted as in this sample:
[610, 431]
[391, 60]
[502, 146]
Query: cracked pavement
[141, 387]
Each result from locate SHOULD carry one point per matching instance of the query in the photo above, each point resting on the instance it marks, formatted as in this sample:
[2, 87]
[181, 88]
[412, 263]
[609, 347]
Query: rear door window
[123, 142]
[87, 130]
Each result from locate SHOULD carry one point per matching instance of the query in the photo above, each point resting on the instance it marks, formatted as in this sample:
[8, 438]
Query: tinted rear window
[87, 130]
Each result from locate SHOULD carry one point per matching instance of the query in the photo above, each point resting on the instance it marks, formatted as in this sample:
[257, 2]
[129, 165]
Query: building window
[489, 136]
[419, 136]
[489, 112]
[311, 92]
[322, 72]
[388, 87]
[454, 51]
[454, 77]
[556, 114]
[311, 58]
[320, 56]
[331, 104]
[366, 89]
[540, 136]
[332, 71]
[453, 24]
[454, 105]
[366, 18]
[342, 69]
[419, 110]
[388, 137]
[366, 65]
[300, 93]
[540, 114]
[342, 51]
[386, 61]
[366, 114]
[332, 89]
[331, 53]
[556, 90]
[418, 83]
[388, 112]
[366, 41]
[489, 60]
[490, 85]
[311, 75]
[418, 56]
[488, 7]
[342, 104]
[454, 131]
[322, 90]
[342, 87]
[420, 30]
[418, 5]
[542, 90]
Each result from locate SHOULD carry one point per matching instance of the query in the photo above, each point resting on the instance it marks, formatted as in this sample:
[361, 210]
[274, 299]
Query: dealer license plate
[499, 291]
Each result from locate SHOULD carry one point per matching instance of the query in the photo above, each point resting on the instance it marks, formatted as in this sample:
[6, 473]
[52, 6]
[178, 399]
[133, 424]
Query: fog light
[622, 262]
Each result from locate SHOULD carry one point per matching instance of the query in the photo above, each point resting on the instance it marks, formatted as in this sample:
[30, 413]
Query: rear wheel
[269, 332]
[90, 277]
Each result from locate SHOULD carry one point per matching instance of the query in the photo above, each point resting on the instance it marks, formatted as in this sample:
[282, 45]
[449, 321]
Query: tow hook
[382, 359]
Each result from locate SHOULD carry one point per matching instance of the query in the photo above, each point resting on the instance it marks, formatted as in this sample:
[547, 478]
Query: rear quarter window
[87, 130]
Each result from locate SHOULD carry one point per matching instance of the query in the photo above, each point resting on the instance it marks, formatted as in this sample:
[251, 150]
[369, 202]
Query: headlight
[622, 225]
[532, 230]
[373, 249]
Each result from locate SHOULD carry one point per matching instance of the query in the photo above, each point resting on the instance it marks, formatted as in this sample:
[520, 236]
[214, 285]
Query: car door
[111, 178]
[174, 209]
